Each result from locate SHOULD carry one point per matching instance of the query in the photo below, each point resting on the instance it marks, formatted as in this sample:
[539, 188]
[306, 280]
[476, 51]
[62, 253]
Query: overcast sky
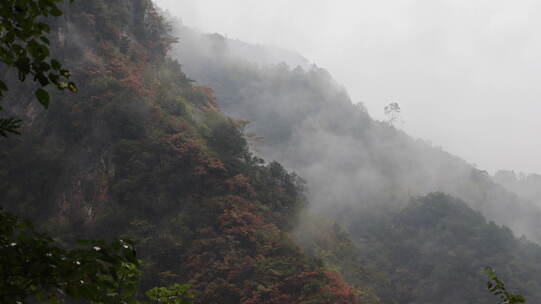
[467, 73]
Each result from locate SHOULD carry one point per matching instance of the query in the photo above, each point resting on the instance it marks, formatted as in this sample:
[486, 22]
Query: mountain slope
[435, 249]
[306, 121]
[526, 186]
[365, 175]
[140, 152]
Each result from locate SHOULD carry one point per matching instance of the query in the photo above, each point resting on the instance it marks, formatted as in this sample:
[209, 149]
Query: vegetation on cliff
[141, 153]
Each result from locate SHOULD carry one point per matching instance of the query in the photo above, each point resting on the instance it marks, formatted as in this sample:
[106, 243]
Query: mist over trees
[242, 174]
[526, 186]
[308, 123]
[360, 172]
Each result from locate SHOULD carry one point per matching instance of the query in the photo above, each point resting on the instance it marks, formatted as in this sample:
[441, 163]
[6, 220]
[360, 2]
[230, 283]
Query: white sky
[467, 73]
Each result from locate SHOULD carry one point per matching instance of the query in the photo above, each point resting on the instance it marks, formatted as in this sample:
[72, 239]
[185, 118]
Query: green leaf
[55, 64]
[9, 125]
[43, 97]
[497, 288]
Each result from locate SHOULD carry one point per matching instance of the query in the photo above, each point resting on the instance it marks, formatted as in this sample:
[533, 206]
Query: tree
[392, 111]
[34, 267]
[496, 287]
[24, 47]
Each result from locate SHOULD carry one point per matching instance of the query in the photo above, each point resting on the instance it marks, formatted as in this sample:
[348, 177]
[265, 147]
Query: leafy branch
[34, 267]
[497, 288]
[24, 46]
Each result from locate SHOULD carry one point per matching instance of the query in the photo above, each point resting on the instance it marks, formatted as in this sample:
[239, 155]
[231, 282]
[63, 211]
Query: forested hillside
[140, 152]
[435, 249]
[303, 119]
[367, 177]
[143, 151]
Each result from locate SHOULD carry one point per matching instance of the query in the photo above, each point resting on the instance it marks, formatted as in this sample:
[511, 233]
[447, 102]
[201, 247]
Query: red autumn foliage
[183, 145]
[240, 184]
[210, 98]
[235, 259]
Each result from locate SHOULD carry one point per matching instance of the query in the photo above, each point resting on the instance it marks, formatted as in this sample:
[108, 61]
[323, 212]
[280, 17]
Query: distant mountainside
[406, 244]
[434, 251]
[527, 186]
[219, 47]
[431, 251]
[302, 118]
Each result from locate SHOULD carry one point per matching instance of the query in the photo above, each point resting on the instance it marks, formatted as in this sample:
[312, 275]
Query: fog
[463, 72]
[306, 121]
